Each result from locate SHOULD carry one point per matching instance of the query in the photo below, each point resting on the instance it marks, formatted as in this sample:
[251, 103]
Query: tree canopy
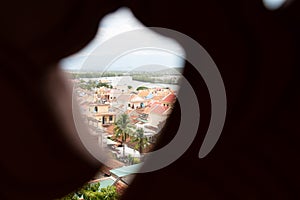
[140, 139]
[91, 191]
[123, 129]
[141, 88]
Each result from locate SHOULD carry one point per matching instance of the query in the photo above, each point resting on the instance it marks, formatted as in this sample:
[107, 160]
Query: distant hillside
[173, 71]
[155, 70]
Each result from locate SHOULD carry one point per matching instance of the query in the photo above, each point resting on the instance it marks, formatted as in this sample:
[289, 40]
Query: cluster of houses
[148, 108]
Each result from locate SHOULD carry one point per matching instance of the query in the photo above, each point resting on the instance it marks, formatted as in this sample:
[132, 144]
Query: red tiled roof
[154, 103]
[147, 110]
[170, 98]
[158, 109]
[157, 97]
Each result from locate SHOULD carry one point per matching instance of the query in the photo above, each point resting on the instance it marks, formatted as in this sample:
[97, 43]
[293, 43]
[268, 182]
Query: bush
[91, 192]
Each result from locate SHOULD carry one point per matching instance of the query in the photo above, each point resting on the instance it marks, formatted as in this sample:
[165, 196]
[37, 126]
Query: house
[157, 114]
[136, 101]
[169, 100]
[123, 99]
[114, 94]
[102, 94]
[143, 93]
[122, 88]
[102, 114]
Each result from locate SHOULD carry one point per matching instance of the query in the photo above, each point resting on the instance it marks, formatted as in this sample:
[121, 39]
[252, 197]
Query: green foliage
[140, 139]
[123, 129]
[154, 78]
[151, 77]
[93, 187]
[132, 160]
[103, 85]
[92, 192]
[92, 84]
[71, 196]
[141, 88]
[85, 86]
[136, 161]
[143, 78]
[129, 87]
[109, 193]
[93, 74]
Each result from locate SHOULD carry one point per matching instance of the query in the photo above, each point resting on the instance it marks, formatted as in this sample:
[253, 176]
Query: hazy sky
[119, 22]
[123, 21]
[274, 4]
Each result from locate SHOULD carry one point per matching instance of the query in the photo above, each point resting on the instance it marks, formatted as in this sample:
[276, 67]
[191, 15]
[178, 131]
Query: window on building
[96, 109]
[110, 118]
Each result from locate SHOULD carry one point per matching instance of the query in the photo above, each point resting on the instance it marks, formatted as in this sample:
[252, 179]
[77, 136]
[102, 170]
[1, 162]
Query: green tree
[123, 129]
[109, 193]
[71, 196]
[92, 192]
[100, 84]
[141, 88]
[132, 160]
[141, 140]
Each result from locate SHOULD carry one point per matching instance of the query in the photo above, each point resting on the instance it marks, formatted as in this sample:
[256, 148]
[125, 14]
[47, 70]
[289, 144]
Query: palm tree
[123, 129]
[140, 139]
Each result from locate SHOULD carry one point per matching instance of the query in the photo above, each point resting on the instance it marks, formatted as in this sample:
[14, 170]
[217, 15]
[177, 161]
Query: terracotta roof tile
[158, 109]
[170, 98]
[158, 98]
